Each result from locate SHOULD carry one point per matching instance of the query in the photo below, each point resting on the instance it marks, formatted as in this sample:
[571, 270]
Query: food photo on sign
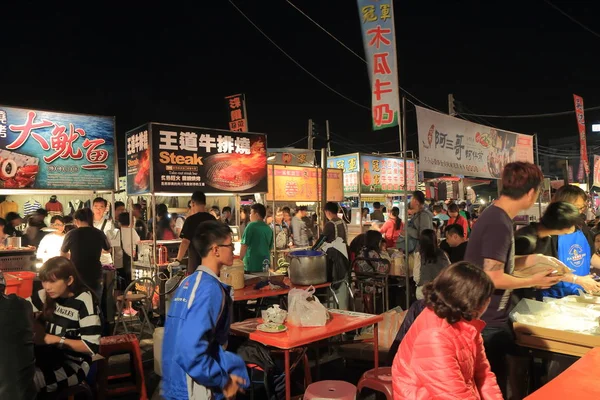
[215, 161]
[52, 150]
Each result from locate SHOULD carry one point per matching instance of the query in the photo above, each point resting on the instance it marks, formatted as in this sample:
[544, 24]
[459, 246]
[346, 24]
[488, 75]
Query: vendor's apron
[574, 251]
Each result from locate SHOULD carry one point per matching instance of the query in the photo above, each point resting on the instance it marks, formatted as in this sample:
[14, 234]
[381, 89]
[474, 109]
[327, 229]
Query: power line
[573, 19]
[297, 141]
[294, 61]
[556, 114]
[353, 52]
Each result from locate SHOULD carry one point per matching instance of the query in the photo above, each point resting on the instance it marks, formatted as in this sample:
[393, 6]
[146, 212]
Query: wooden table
[249, 293]
[296, 336]
[579, 381]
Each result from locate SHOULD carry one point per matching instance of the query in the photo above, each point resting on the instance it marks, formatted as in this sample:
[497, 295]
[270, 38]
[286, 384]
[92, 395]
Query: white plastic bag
[304, 309]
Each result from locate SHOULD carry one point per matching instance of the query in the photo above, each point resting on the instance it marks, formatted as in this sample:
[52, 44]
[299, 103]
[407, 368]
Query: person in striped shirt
[67, 327]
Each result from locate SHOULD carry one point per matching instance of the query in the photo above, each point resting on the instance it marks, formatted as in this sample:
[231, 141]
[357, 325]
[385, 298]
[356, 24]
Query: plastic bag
[304, 309]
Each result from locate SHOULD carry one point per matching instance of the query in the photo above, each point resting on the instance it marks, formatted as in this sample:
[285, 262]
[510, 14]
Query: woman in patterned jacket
[67, 327]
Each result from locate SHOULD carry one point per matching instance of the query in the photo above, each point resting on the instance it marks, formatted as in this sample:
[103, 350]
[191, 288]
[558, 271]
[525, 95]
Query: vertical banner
[138, 161]
[236, 109]
[582, 140]
[596, 171]
[379, 35]
[580, 175]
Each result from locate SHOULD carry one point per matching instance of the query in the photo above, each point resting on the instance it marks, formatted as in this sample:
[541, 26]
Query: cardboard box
[571, 343]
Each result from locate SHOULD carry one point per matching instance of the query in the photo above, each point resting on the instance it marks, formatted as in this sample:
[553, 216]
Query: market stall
[369, 178]
[301, 185]
[174, 161]
[52, 160]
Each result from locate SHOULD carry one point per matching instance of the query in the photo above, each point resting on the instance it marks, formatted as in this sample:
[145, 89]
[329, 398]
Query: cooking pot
[307, 267]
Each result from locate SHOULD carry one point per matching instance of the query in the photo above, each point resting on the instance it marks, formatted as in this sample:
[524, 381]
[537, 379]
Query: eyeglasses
[55, 224]
[231, 246]
[582, 208]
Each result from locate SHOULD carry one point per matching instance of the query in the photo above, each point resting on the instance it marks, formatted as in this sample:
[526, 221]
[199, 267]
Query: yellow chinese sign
[304, 184]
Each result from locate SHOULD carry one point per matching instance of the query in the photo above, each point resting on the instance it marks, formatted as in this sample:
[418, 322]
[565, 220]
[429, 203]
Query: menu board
[304, 184]
[386, 175]
[349, 164]
[186, 159]
[53, 150]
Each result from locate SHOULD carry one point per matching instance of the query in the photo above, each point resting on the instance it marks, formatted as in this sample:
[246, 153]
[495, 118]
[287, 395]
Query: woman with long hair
[392, 228]
[51, 243]
[376, 258]
[442, 354]
[433, 260]
[244, 219]
[67, 328]
[165, 229]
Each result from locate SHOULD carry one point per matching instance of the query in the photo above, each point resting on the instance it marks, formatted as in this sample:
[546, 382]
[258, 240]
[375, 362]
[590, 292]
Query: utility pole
[451, 107]
[310, 134]
[328, 140]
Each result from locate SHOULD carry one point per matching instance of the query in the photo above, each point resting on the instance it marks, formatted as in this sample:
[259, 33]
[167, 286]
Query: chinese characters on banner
[292, 156]
[454, 146]
[596, 171]
[582, 139]
[303, 184]
[51, 150]
[138, 161]
[379, 35]
[236, 108]
[374, 174]
[186, 159]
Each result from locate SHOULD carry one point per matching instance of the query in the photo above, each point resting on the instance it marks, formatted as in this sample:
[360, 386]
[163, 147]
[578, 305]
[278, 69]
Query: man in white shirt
[105, 225]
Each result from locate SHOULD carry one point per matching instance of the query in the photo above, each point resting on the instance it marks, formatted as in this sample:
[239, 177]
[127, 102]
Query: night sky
[174, 63]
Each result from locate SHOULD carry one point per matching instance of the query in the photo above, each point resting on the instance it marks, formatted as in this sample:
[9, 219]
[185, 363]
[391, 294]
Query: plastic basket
[12, 284]
[26, 282]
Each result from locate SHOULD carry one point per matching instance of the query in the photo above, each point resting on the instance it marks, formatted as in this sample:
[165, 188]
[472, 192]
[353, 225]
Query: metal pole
[323, 176]
[537, 161]
[310, 136]
[403, 147]
[328, 142]
[273, 221]
[451, 108]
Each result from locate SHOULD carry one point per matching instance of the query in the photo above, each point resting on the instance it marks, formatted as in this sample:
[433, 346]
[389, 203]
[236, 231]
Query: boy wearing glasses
[195, 364]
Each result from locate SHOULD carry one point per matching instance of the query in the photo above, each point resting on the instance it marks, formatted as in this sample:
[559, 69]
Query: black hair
[161, 210]
[41, 211]
[455, 229]
[331, 207]
[226, 209]
[301, 208]
[123, 219]
[84, 215]
[57, 218]
[199, 198]
[246, 211]
[396, 214]
[286, 209]
[376, 204]
[11, 216]
[560, 215]
[453, 208]
[365, 209]
[428, 246]
[459, 292]
[419, 196]
[163, 225]
[209, 233]
[259, 209]
[119, 204]
[437, 208]
[372, 242]
[137, 206]
[99, 200]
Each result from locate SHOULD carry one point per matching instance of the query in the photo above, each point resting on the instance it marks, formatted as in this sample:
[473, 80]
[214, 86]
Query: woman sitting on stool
[67, 329]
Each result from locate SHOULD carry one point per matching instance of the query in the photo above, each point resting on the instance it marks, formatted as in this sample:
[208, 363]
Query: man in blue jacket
[195, 364]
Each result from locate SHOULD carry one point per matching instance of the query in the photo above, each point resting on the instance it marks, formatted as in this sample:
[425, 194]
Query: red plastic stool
[125, 344]
[330, 390]
[379, 380]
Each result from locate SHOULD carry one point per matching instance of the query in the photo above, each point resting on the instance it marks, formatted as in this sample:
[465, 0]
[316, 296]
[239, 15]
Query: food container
[307, 267]
[234, 275]
[13, 241]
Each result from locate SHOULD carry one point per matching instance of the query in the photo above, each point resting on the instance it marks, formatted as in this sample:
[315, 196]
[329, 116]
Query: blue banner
[52, 150]
[379, 35]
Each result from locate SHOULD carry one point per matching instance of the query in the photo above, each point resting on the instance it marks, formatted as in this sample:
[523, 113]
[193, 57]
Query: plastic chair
[125, 344]
[379, 380]
[330, 390]
[141, 290]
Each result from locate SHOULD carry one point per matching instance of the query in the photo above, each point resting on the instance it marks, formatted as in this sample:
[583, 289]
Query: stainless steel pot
[307, 267]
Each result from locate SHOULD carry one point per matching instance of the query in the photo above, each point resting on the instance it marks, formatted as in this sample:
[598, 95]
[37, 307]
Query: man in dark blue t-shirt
[491, 246]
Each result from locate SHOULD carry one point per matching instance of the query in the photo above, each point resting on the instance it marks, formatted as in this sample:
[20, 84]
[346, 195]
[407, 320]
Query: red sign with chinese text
[236, 109]
[579, 113]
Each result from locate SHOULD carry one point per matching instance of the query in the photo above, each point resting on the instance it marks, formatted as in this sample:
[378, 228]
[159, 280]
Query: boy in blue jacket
[195, 364]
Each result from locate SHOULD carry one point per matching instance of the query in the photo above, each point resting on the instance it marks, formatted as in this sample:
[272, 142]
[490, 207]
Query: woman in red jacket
[442, 355]
[456, 218]
[392, 228]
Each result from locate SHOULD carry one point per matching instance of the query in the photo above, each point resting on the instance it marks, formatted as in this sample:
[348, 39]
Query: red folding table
[296, 336]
